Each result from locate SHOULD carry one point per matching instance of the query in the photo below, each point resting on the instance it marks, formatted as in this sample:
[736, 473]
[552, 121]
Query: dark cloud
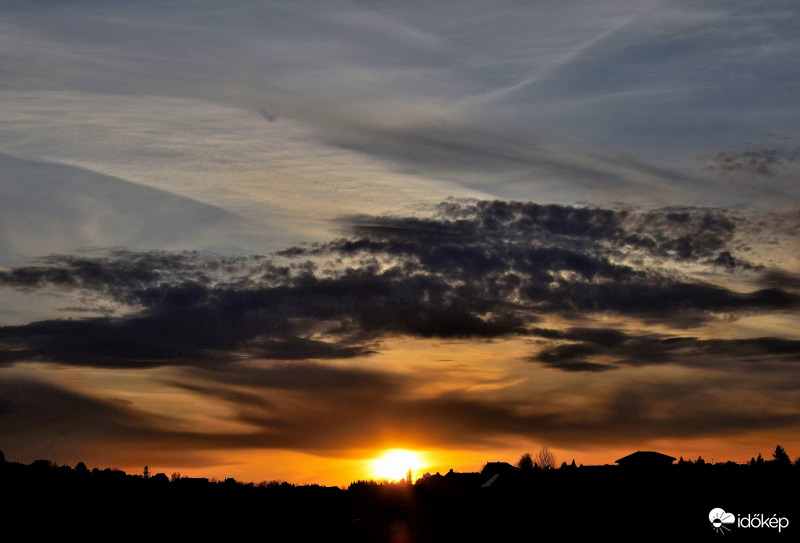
[570, 356]
[780, 279]
[267, 115]
[633, 413]
[347, 418]
[689, 409]
[198, 335]
[106, 310]
[470, 238]
[302, 376]
[312, 407]
[116, 274]
[56, 415]
[476, 269]
[726, 260]
[763, 162]
[581, 352]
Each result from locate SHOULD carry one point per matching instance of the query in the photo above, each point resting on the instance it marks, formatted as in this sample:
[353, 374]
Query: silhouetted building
[494, 471]
[468, 479]
[645, 460]
[497, 468]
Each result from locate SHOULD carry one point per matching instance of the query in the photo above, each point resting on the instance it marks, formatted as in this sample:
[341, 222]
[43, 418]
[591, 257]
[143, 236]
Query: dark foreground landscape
[501, 503]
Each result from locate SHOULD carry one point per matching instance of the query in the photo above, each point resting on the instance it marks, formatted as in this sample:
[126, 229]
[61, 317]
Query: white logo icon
[719, 518]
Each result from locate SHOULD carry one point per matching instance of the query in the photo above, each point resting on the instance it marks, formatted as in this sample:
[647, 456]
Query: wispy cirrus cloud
[572, 101]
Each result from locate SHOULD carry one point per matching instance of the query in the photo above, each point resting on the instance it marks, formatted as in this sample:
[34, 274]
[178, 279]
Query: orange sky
[173, 422]
[264, 241]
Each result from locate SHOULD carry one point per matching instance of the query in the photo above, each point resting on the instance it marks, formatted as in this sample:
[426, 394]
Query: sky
[275, 240]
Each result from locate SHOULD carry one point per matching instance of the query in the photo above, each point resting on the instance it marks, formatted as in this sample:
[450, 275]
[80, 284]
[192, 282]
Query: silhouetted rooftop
[645, 458]
[494, 468]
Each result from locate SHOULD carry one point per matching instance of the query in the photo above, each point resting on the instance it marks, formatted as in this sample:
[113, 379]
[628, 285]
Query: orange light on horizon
[394, 464]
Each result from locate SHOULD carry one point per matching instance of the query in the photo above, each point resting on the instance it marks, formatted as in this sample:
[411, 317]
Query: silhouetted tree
[797, 462]
[2, 457]
[780, 457]
[41, 465]
[545, 459]
[175, 476]
[760, 460]
[409, 477]
[146, 472]
[525, 462]
[81, 468]
[271, 484]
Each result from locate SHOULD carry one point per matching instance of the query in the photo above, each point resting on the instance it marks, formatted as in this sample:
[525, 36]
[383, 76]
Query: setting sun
[395, 463]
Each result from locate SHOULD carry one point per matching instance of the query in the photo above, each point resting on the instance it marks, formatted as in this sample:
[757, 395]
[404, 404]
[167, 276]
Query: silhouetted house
[41, 465]
[645, 460]
[497, 468]
[494, 471]
[467, 479]
[428, 478]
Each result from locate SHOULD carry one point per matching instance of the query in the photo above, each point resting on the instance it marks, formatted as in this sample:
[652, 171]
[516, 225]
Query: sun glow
[395, 463]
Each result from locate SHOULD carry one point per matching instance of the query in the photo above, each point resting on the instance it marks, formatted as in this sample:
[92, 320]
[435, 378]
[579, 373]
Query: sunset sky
[275, 240]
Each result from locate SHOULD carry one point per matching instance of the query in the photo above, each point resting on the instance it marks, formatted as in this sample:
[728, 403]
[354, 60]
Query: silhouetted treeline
[501, 503]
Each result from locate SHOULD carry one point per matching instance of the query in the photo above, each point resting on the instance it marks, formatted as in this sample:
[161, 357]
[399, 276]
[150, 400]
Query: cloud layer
[565, 102]
[166, 132]
[280, 339]
[477, 269]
